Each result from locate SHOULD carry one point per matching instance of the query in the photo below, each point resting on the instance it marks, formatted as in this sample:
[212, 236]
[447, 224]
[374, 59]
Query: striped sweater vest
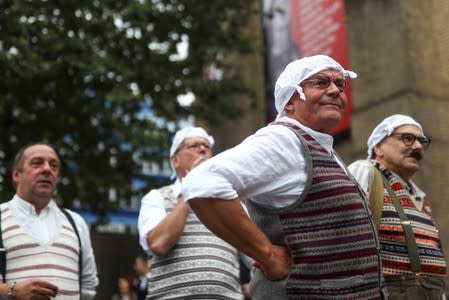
[199, 266]
[394, 253]
[329, 233]
[27, 258]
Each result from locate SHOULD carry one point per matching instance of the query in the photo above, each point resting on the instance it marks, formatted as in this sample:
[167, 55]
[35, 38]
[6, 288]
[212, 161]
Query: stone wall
[400, 50]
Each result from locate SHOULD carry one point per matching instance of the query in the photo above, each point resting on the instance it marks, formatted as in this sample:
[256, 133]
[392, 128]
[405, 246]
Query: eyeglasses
[323, 82]
[195, 146]
[408, 139]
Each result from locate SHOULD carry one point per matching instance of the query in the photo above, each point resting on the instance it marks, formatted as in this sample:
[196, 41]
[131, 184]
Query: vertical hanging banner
[298, 28]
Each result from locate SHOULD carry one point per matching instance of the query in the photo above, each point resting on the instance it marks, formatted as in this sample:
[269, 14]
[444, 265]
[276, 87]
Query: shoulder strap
[412, 247]
[80, 260]
[2, 252]
[376, 197]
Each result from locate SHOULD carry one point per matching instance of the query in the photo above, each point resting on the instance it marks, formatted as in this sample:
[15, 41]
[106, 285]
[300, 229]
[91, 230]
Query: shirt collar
[416, 191]
[27, 208]
[325, 140]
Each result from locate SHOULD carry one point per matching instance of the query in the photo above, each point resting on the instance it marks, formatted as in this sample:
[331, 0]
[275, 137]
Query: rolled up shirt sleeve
[152, 212]
[362, 172]
[222, 188]
[268, 168]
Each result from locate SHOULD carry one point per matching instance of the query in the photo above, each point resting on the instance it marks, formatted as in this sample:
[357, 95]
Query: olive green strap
[376, 197]
[412, 247]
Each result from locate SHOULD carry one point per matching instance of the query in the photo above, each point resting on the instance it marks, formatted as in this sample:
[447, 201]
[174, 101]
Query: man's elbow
[157, 246]
[159, 250]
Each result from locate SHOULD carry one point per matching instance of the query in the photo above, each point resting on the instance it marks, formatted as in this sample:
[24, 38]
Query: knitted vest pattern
[394, 253]
[199, 266]
[27, 258]
[329, 233]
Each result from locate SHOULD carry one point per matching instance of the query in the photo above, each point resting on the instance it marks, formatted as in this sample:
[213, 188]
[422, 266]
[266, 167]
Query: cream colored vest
[56, 262]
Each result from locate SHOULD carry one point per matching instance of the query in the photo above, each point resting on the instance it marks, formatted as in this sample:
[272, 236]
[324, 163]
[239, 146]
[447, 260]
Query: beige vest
[56, 262]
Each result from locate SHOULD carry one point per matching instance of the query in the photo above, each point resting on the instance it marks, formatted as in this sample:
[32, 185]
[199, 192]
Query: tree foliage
[100, 81]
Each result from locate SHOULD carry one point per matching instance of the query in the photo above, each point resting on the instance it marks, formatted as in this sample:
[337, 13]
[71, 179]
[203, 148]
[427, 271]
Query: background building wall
[114, 255]
[400, 51]
[231, 132]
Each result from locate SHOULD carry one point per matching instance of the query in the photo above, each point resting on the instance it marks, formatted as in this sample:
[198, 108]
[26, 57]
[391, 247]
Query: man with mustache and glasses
[187, 260]
[48, 249]
[310, 232]
[413, 262]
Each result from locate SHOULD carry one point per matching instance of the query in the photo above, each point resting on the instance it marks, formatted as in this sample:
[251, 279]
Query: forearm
[4, 290]
[228, 220]
[167, 233]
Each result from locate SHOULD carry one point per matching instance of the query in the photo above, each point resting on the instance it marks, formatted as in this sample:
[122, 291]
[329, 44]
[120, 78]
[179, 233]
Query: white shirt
[152, 212]
[43, 228]
[362, 172]
[268, 168]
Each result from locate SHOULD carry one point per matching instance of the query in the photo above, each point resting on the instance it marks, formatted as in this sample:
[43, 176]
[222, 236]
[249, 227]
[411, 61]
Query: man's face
[325, 101]
[395, 155]
[191, 152]
[37, 174]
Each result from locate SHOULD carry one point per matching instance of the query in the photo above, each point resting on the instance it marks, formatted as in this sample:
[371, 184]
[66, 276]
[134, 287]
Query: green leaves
[100, 81]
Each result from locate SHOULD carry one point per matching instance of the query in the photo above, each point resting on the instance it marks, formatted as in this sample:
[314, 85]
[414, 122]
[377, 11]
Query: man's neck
[38, 203]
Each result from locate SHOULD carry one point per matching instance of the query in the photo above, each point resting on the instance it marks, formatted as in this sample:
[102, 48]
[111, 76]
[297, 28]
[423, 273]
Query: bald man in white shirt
[42, 247]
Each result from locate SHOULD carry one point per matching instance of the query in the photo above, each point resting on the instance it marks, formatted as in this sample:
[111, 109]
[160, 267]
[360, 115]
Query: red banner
[315, 27]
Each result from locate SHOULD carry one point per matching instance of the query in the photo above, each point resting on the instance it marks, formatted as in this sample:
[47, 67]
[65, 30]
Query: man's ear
[289, 107]
[378, 150]
[15, 175]
[175, 161]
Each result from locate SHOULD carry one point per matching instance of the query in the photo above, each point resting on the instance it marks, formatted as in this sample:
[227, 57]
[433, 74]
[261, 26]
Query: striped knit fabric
[26, 258]
[329, 233]
[395, 260]
[200, 266]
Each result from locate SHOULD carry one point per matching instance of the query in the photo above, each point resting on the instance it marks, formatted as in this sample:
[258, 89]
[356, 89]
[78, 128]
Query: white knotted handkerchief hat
[188, 132]
[183, 134]
[386, 128]
[299, 70]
